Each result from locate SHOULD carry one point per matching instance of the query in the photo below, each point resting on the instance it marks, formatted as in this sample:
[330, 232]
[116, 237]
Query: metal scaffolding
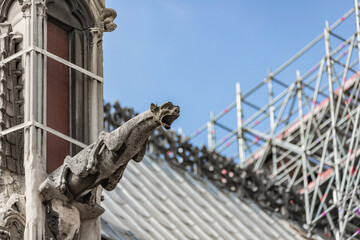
[307, 133]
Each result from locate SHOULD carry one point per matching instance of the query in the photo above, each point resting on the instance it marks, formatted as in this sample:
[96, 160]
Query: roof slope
[154, 201]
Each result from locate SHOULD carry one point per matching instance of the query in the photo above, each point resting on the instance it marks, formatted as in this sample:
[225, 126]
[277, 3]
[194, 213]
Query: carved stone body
[104, 162]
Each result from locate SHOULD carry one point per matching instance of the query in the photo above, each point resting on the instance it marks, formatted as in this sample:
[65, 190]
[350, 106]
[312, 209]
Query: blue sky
[192, 52]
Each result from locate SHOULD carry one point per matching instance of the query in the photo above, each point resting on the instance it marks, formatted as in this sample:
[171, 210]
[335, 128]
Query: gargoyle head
[107, 18]
[166, 114]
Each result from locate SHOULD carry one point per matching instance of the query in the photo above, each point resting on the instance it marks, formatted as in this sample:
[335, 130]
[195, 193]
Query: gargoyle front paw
[90, 168]
[62, 188]
[91, 165]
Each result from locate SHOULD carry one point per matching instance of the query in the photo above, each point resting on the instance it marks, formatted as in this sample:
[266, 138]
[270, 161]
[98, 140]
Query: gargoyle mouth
[167, 120]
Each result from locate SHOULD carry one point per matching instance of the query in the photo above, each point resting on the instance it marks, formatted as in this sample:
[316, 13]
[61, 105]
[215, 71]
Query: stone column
[96, 35]
[34, 158]
[91, 229]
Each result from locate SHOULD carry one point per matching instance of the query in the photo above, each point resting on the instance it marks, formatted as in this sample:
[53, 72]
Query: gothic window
[68, 99]
[57, 105]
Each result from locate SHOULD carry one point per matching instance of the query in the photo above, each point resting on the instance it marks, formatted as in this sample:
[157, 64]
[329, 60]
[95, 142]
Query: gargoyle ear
[154, 107]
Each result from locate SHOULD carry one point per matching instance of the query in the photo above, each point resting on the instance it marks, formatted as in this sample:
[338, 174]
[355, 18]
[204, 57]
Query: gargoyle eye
[166, 105]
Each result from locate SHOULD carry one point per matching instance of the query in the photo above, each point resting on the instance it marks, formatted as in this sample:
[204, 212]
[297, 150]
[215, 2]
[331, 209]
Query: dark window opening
[57, 105]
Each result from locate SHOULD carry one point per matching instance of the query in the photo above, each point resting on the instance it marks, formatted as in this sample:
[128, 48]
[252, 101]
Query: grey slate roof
[154, 201]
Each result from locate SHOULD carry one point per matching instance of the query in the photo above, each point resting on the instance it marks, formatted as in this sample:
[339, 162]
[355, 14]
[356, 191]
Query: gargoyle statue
[104, 162]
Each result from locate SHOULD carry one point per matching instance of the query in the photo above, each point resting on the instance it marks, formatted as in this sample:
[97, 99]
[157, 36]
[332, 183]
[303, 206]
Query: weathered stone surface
[14, 152]
[104, 162]
[7, 123]
[11, 162]
[9, 116]
[2, 160]
[7, 150]
[10, 183]
[62, 220]
[11, 138]
[9, 109]
[12, 218]
[4, 233]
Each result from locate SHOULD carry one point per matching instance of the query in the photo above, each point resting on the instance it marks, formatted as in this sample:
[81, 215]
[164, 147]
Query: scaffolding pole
[240, 133]
[211, 132]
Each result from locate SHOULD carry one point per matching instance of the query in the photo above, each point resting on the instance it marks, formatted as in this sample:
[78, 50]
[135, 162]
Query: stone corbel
[14, 37]
[96, 36]
[107, 18]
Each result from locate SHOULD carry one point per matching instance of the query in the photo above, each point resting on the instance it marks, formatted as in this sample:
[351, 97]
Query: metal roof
[156, 201]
